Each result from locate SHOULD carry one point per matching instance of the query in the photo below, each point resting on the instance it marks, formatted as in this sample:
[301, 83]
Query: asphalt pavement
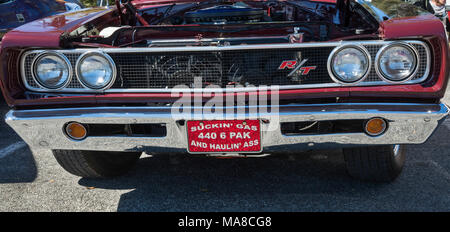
[310, 181]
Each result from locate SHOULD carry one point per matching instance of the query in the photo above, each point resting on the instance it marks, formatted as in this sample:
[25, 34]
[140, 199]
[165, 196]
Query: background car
[18, 12]
[447, 6]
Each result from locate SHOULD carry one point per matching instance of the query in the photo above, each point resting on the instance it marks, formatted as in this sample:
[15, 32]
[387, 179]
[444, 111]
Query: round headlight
[52, 70]
[96, 70]
[396, 62]
[349, 64]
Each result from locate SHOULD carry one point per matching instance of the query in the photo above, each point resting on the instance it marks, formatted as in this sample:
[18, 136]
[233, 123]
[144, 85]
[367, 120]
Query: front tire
[375, 163]
[96, 164]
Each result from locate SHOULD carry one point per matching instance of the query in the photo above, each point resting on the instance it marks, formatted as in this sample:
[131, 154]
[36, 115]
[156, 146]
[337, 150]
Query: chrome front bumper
[408, 124]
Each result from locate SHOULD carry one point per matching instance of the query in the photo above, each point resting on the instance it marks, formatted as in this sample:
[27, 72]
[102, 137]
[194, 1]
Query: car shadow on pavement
[310, 181]
[19, 166]
[241, 184]
[435, 150]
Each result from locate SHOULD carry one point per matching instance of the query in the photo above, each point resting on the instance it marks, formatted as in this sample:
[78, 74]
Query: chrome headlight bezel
[100, 54]
[336, 51]
[66, 62]
[384, 76]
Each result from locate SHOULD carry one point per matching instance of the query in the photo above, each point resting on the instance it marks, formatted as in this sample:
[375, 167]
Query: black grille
[254, 67]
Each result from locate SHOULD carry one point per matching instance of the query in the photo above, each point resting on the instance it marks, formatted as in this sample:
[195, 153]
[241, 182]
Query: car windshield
[397, 8]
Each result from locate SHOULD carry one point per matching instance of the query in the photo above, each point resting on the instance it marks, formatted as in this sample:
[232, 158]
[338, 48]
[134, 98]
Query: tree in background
[397, 8]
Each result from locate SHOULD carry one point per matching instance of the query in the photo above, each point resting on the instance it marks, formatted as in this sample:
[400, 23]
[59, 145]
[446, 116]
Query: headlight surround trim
[385, 48]
[51, 53]
[102, 54]
[339, 49]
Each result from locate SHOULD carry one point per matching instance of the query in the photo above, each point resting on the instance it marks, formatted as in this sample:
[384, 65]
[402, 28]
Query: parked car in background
[18, 12]
[100, 86]
[447, 6]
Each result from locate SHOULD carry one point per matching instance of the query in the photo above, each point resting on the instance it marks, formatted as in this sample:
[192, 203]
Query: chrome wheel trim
[396, 150]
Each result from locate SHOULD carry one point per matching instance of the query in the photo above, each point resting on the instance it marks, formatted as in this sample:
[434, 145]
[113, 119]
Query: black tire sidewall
[110, 164]
[375, 163]
[398, 161]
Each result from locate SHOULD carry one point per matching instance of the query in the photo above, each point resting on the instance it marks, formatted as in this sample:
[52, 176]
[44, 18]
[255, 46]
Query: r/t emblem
[292, 64]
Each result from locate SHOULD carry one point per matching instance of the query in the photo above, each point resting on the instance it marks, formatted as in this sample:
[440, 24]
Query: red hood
[50, 29]
[140, 3]
[159, 1]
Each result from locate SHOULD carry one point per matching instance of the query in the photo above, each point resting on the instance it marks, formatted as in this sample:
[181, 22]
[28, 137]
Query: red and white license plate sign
[224, 136]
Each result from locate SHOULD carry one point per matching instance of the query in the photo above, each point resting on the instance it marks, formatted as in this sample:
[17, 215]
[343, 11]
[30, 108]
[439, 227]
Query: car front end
[238, 77]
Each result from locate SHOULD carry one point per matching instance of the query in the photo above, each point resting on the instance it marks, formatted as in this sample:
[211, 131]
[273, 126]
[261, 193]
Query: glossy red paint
[57, 101]
[144, 98]
[142, 3]
[169, 97]
[327, 1]
[46, 32]
[424, 25]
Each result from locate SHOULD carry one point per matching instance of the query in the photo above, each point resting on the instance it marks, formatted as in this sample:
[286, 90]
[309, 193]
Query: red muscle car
[227, 78]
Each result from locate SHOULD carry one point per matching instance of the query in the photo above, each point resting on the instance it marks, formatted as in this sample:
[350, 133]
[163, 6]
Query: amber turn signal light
[375, 126]
[76, 131]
